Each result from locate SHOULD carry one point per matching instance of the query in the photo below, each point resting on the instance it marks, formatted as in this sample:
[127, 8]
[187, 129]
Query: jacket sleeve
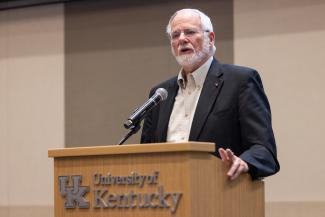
[256, 128]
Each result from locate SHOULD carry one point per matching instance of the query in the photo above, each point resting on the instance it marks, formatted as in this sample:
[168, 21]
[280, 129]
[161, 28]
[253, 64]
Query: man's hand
[237, 165]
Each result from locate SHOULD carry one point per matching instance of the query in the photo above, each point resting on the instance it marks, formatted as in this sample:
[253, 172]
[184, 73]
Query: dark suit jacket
[232, 111]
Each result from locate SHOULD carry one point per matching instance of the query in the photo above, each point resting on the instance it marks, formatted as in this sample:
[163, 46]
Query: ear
[211, 37]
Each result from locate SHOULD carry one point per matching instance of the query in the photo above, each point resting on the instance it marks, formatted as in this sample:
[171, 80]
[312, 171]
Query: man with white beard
[213, 102]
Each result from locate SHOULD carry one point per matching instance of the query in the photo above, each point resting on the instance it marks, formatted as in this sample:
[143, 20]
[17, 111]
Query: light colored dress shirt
[185, 103]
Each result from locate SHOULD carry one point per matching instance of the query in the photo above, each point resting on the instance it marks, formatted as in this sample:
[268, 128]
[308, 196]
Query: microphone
[160, 95]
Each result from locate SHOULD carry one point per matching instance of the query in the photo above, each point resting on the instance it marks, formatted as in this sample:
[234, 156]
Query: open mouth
[185, 50]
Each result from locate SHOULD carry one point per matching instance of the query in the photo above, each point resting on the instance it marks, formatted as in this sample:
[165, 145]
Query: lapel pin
[216, 84]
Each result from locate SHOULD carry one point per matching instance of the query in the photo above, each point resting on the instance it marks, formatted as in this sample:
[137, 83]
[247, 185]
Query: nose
[182, 38]
[182, 35]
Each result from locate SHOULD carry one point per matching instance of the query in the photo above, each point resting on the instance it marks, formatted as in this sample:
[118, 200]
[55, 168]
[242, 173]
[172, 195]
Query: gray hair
[205, 20]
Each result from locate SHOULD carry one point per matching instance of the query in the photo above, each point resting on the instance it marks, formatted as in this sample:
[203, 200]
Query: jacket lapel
[165, 111]
[211, 88]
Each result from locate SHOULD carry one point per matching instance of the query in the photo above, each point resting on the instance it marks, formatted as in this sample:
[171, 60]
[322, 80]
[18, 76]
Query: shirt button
[189, 92]
[186, 115]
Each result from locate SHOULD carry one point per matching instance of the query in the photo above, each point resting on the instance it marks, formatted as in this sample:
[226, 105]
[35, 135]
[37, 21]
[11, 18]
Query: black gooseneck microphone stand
[133, 130]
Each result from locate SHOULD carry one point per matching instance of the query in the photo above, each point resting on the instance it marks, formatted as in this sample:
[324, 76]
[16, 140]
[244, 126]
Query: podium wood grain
[184, 167]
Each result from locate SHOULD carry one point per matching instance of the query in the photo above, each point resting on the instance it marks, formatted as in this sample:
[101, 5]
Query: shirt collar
[198, 75]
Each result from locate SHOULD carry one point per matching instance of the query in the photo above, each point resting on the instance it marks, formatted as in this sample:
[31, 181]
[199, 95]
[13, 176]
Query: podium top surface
[133, 149]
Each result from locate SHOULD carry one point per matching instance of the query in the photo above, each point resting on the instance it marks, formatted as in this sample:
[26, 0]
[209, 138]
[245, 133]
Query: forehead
[185, 20]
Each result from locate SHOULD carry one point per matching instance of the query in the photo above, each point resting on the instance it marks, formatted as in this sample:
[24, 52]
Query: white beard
[192, 59]
[189, 59]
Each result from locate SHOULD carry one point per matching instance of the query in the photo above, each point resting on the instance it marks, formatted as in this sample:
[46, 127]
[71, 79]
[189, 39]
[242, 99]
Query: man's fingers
[234, 167]
[239, 170]
[230, 154]
[237, 165]
[223, 154]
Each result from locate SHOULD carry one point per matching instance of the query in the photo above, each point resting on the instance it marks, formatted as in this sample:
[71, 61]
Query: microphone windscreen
[162, 92]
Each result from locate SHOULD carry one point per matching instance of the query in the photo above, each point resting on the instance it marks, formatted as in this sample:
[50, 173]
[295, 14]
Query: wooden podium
[156, 180]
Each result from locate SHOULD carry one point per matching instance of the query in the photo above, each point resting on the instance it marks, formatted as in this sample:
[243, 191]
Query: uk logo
[74, 195]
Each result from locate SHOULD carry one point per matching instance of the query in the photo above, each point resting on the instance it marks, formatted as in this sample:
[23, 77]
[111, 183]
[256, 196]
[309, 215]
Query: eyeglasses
[187, 32]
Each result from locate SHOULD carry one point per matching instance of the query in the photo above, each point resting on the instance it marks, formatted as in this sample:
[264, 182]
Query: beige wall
[284, 40]
[31, 107]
